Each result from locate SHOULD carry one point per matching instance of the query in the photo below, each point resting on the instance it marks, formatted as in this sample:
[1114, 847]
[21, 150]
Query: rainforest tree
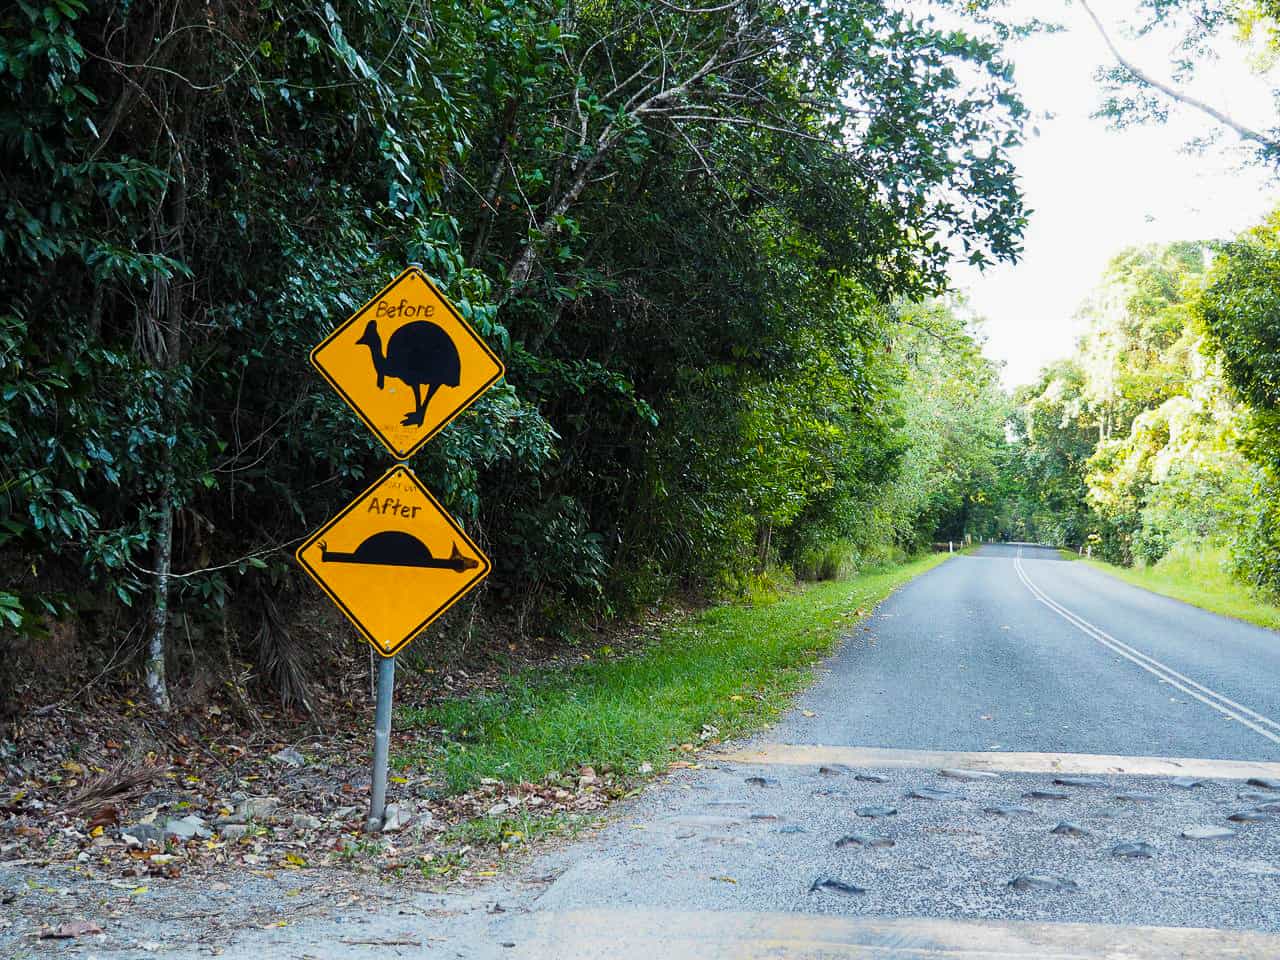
[682, 226]
[1240, 309]
[1134, 446]
[1197, 35]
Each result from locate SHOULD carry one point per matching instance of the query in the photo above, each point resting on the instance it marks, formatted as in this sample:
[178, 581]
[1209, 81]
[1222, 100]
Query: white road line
[1107, 638]
[1223, 704]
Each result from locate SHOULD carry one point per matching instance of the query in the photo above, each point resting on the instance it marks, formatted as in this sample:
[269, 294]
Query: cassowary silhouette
[395, 548]
[421, 355]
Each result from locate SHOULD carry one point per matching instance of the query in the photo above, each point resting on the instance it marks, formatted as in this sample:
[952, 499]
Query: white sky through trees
[1094, 191]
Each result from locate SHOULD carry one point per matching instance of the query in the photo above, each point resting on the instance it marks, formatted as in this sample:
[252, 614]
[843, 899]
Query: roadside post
[395, 559]
[381, 744]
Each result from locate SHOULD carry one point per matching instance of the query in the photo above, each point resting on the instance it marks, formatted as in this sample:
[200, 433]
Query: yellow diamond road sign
[393, 561]
[407, 363]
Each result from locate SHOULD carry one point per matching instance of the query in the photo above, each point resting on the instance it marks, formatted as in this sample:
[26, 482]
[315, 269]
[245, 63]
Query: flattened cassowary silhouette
[421, 355]
[394, 548]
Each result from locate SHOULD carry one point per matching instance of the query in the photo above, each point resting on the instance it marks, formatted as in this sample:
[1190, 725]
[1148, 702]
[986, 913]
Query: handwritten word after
[392, 507]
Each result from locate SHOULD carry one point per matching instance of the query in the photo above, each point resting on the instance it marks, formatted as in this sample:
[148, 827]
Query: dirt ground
[231, 816]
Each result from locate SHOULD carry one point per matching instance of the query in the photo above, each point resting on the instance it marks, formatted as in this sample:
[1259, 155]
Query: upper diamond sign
[407, 363]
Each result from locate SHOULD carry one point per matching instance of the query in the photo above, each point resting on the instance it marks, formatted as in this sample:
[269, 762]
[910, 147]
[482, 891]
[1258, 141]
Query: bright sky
[1094, 191]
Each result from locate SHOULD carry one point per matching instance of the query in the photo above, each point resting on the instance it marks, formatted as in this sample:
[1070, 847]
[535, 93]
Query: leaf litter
[114, 816]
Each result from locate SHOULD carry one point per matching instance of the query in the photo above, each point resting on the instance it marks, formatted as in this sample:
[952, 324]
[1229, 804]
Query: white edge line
[1165, 667]
[1154, 667]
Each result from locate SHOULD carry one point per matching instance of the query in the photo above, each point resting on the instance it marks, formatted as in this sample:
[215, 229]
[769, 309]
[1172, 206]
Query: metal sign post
[381, 743]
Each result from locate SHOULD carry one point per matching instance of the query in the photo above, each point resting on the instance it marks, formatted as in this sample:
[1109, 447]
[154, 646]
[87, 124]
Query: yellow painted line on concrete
[627, 934]
[797, 754]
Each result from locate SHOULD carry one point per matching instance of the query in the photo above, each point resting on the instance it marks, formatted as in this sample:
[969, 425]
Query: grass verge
[721, 674]
[1201, 578]
[516, 827]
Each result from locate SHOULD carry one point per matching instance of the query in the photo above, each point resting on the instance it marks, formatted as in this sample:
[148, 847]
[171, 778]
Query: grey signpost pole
[382, 734]
[381, 743]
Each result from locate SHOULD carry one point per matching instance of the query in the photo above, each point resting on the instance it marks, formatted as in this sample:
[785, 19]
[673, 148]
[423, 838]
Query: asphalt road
[969, 657]
[846, 832]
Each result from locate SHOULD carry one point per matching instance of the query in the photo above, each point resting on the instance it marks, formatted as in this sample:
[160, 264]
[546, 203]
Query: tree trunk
[488, 212]
[157, 684]
[166, 309]
[548, 228]
[764, 543]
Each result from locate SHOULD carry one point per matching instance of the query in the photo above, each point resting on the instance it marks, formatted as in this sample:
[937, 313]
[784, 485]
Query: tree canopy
[686, 229]
[1161, 431]
[1198, 35]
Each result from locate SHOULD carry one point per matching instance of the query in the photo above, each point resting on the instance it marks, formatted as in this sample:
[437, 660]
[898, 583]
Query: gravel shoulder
[724, 841]
[763, 840]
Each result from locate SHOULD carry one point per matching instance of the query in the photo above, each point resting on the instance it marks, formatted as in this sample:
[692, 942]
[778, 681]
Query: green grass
[724, 673]
[1199, 576]
[520, 826]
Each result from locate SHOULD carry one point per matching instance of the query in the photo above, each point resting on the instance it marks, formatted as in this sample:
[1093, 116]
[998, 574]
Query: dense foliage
[684, 230]
[1161, 431]
[1240, 309]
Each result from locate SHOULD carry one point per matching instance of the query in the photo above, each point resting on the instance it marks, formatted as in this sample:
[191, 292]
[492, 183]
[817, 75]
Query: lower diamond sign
[393, 561]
